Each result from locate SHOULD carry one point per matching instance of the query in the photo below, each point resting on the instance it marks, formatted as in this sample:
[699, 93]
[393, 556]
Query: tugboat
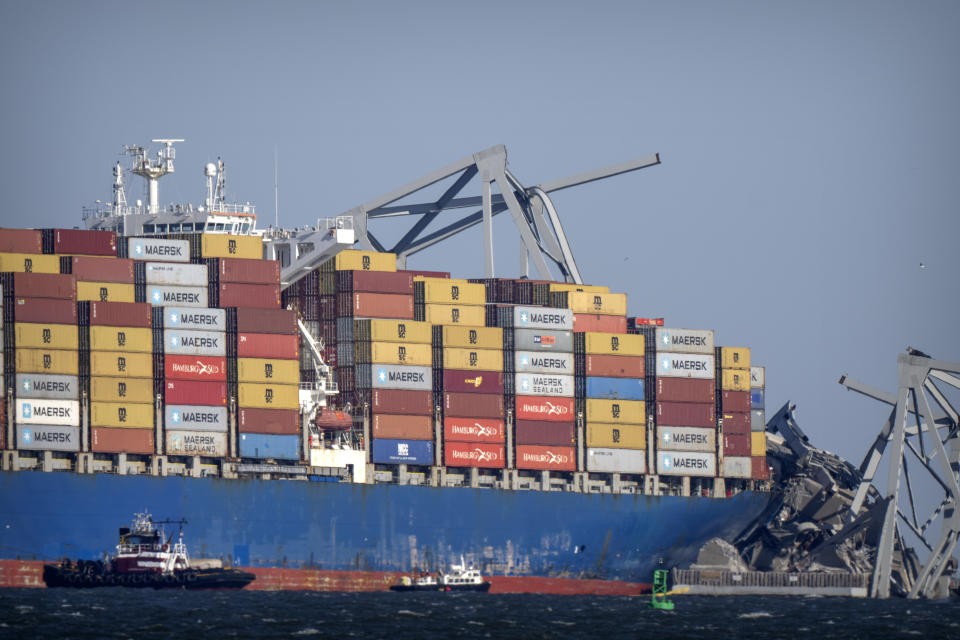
[458, 578]
[144, 559]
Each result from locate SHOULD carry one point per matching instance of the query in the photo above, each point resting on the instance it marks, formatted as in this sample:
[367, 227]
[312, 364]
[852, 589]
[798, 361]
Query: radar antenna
[153, 170]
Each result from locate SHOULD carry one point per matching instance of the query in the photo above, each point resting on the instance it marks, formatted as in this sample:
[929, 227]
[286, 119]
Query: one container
[118, 314]
[137, 390]
[756, 398]
[758, 443]
[542, 432]
[685, 390]
[613, 344]
[734, 380]
[268, 396]
[614, 366]
[195, 367]
[47, 386]
[736, 421]
[48, 437]
[29, 263]
[21, 240]
[583, 322]
[402, 427]
[735, 400]
[180, 275]
[685, 340]
[539, 362]
[546, 458]
[735, 358]
[53, 412]
[545, 408]
[269, 446]
[169, 296]
[448, 291]
[685, 414]
[539, 340]
[537, 318]
[395, 353]
[686, 439]
[41, 310]
[270, 421]
[121, 364]
[375, 281]
[193, 318]
[759, 468]
[607, 304]
[605, 460]
[53, 361]
[736, 444]
[158, 249]
[391, 376]
[357, 260]
[106, 291]
[572, 286]
[376, 305]
[473, 405]
[758, 420]
[540, 384]
[474, 454]
[241, 294]
[417, 403]
[473, 430]
[616, 411]
[230, 246]
[40, 285]
[474, 316]
[377, 330]
[195, 393]
[128, 415]
[98, 269]
[615, 388]
[616, 436]
[196, 443]
[112, 440]
[84, 242]
[121, 339]
[244, 270]
[737, 467]
[471, 337]
[389, 451]
[256, 320]
[758, 377]
[34, 335]
[268, 345]
[685, 365]
[473, 359]
[268, 370]
[686, 463]
[194, 343]
[467, 381]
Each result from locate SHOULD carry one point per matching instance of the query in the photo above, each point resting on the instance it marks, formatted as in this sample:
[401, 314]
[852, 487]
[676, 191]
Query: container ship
[361, 421]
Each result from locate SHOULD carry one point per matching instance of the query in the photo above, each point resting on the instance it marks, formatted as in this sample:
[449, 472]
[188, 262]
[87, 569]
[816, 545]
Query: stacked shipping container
[732, 381]
[758, 424]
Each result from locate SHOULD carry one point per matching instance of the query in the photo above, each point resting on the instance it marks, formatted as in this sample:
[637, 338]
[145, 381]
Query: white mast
[153, 171]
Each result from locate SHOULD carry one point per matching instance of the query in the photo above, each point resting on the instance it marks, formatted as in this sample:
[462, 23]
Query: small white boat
[458, 578]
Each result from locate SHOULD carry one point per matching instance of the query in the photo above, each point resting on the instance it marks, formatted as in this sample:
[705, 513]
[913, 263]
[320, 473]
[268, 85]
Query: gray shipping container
[685, 340]
[686, 439]
[183, 417]
[542, 384]
[758, 420]
[539, 362]
[48, 412]
[542, 340]
[196, 443]
[397, 376]
[686, 463]
[47, 386]
[184, 275]
[47, 437]
[604, 460]
[194, 343]
[194, 318]
[158, 249]
[160, 295]
[542, 318]
[758, 377]
[684, 365]
[737, 467]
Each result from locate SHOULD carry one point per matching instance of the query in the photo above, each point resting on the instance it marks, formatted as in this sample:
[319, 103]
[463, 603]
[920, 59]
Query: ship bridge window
[186, 226]
[245, 227]
[148, 228]
[161, 228]
[174, 227]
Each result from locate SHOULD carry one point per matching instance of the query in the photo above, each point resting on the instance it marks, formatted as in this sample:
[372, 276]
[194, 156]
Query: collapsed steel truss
[924, 424]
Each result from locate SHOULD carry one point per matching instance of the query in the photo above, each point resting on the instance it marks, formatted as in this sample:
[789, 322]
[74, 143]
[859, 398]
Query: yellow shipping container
[124, 364]
[121, 338]
[758, 443]
[473, 337]
[268, 396]
[129, 415]
[475, 359]
[449, 291]
[735, 358]
[105, 291]
[29, 263]
[268, 370]
[400, 353]
[735, 379]
[475, 316]
[121, 390]
[46, 336]
[215, 245]
[570, 286]
[616, 436]
[60, 361]
[614, 344]
[395, 331]
[609, 304]
[616, 411]
[356, 260]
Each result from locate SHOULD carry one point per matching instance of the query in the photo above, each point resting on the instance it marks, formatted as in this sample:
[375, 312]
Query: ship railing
[820, 580]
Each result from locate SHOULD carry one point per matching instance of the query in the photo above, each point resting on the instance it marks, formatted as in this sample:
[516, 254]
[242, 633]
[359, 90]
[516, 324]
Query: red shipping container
[118, 440]
[545, 408]
[416, 403]
[554, 434]
[211, 394]
[594, 322]
[375, 305]
[245, 270]
[45, 310]
[238, 294]
[375, 282]
[194, 368]
[735, 444]
[686, 390]
[546, 458]
[21, 241]
[84, 242]
[121, 314]
[96, 269]
[403, 427]
[465, 454]
[282, 422]
[268, 345]
[425, 274]
[686, 414]
[256, 320]
[466, 381]
[736, 422]
[735, 401]
[473, 430]
[645, 322]
[760, 469]
[614, 366]
[473, 405]
[43, 285]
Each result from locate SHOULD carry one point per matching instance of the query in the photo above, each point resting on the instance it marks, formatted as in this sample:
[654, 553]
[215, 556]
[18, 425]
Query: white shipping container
[396, 376]
[686, 463]
[158, 249]
[46, 437]
[758, 420]
[194, 343]
[196, 443]
[51, 412]
[539, 362]
[686, 439]
[685, 340]
[160, 295]
[758, 376]
[48, 386]
[194, 318]
[543, 384]
[182, 417]
[737, 467]
[543, 340]
[542, 318]
[603, 460]
[184, 275]
[684, 365]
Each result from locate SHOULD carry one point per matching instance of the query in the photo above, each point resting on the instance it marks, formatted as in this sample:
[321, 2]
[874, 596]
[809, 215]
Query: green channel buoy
[658, 599]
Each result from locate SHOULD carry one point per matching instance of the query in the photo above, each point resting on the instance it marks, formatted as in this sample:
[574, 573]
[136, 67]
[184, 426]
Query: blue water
[144, 614]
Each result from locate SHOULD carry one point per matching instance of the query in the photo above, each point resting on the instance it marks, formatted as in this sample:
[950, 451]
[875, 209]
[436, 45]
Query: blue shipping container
[260, 445]
[386, 451]
[615, 388]
[756, 398]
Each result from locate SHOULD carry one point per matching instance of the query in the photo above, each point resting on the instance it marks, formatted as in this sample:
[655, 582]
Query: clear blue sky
[809, 149]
